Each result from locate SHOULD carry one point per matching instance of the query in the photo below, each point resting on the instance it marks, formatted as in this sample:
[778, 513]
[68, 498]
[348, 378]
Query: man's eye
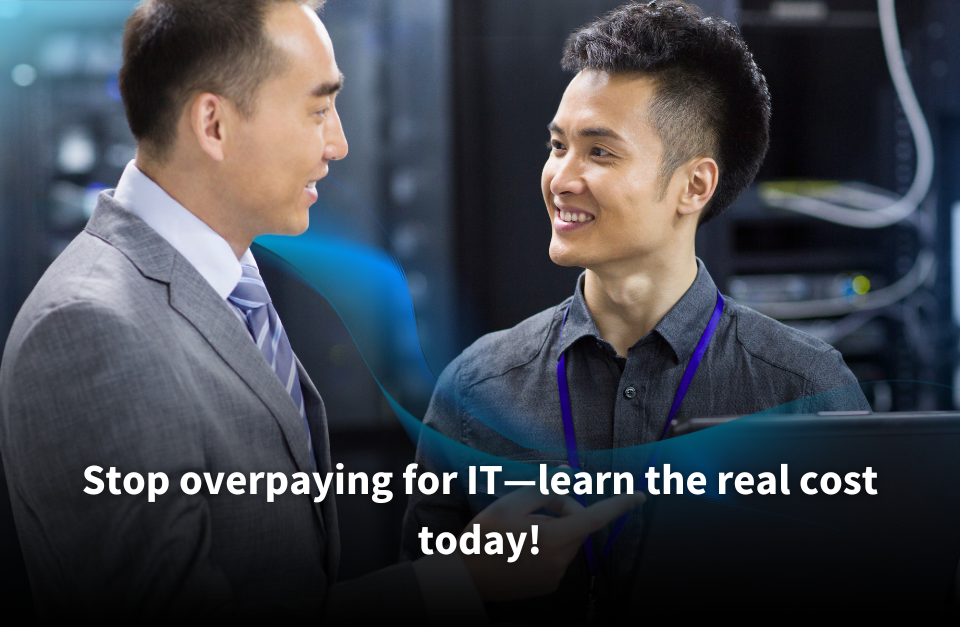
[555, 145]
[599, 152]
[322, 113]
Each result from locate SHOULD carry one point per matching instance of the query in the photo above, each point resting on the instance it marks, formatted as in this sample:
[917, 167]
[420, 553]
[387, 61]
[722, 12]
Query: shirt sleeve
[834, 387]
[449, 594]
[438, 512]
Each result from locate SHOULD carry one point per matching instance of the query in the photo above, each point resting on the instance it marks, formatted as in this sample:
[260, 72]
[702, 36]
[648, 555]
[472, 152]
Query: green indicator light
[861, 285]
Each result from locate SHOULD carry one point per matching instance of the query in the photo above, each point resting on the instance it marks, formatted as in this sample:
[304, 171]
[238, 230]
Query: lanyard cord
[571, 440]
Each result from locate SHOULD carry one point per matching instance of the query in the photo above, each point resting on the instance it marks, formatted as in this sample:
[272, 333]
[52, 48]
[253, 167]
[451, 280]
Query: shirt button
[630, 392]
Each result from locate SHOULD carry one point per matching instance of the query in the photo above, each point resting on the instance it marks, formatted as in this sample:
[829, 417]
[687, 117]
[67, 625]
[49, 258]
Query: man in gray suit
[151, 345]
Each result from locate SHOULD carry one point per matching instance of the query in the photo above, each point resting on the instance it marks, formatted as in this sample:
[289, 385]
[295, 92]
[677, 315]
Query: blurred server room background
[445, 108]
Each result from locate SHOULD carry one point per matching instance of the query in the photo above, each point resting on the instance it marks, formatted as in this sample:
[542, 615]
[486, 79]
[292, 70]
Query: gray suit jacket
[123, 355]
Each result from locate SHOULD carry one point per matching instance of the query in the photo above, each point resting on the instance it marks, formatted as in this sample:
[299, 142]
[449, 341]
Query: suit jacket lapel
[317, 419]
[197, 302]
[193, 298]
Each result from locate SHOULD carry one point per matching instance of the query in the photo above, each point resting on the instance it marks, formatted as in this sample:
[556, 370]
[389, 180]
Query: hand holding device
[559, 539]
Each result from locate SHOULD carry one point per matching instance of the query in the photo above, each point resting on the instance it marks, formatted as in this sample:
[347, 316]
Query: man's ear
[701, 178]
[207, 117]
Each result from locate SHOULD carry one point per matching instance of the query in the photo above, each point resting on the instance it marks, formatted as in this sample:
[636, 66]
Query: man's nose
[337, 146]
[568, 177]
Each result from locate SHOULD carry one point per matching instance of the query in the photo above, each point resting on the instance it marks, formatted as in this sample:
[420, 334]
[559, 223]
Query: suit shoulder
[93, 271]
[90, 289]
[501, 351]
[780, 345]
[69, 325]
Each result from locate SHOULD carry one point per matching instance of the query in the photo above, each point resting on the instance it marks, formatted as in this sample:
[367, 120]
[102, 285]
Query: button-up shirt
[501, 397]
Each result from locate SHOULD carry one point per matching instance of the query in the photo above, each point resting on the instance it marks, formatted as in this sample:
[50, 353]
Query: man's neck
[627, 302]
[201, 199]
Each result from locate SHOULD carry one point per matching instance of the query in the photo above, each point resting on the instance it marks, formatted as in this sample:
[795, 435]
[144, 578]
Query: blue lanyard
[571, 439]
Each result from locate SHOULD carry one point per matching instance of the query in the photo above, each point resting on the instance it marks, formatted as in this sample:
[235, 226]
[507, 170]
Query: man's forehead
[319, 28]
[601, 82]
[303, 39]
[598, 103]
[298, 32]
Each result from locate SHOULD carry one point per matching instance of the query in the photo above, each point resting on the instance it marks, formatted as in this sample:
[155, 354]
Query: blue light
[847, 288]
[112, 88]
[10, 9]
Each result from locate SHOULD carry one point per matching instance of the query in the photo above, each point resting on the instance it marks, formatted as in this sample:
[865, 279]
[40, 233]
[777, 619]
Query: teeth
[569, 216]
[312, 184]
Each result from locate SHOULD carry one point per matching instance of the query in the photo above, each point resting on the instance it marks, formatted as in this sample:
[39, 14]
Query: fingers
[595, 517]
[527, 500]
[564, 506]
[575, 521]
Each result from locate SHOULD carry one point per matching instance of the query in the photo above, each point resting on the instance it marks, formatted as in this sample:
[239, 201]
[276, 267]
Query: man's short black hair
[173, 49]
[711, 99]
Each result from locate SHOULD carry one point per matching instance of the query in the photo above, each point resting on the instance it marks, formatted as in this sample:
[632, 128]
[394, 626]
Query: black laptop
[799, 558]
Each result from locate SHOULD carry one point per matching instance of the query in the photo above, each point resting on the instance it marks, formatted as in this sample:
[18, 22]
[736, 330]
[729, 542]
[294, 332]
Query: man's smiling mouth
[575, 216]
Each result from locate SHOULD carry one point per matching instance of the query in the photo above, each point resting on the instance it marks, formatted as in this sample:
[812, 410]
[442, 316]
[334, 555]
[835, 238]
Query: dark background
[445, 108]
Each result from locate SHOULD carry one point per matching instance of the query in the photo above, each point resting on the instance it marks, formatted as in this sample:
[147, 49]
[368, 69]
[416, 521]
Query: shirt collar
[203, 247]
[681, 327]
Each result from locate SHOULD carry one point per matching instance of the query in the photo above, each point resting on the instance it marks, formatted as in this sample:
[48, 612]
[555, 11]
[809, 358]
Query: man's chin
[301, 228]
[301, 221]
[563, 256]
[293, 228]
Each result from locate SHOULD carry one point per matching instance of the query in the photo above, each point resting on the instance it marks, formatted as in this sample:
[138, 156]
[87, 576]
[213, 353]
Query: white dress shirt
[203, 247]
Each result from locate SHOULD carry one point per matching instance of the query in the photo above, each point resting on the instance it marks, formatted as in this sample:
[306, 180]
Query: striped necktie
[251, 299]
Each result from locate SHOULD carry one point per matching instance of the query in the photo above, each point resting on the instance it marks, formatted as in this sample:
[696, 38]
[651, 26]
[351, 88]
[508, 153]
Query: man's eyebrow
[327, 89]
[599, 131]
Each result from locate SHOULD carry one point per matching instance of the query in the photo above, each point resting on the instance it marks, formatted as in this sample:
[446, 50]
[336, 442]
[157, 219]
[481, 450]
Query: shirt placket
[644, 385]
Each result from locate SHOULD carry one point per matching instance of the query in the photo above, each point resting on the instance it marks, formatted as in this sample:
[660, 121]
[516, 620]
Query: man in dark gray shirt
[664, 125]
